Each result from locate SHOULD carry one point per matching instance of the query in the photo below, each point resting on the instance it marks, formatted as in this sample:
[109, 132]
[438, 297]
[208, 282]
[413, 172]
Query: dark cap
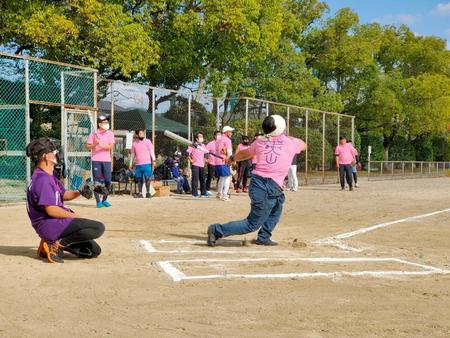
[102, 118]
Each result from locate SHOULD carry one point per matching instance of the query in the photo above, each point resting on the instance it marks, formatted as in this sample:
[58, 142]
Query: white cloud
[442, 9]
[396, 19]
[447, 32]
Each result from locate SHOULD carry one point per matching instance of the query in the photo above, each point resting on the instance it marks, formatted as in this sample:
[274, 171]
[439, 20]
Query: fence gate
[76, 127]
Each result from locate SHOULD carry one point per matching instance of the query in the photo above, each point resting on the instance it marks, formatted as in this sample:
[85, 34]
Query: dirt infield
[156, 277]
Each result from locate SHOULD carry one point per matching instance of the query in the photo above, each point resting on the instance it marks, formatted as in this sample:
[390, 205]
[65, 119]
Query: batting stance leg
[267, 201]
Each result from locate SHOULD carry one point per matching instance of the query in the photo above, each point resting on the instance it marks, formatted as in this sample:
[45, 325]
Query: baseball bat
[181, 139]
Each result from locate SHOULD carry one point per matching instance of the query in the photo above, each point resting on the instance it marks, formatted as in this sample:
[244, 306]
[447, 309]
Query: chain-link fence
[385, 170]
[27, 83]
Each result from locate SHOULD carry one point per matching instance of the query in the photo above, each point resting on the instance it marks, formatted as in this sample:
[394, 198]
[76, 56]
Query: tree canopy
[397, 84]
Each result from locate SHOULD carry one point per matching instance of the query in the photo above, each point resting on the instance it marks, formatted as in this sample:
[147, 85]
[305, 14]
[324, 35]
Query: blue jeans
[267, 201]
[101, 172]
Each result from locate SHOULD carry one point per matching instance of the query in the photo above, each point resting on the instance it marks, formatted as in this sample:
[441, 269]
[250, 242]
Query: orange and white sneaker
[52, 251]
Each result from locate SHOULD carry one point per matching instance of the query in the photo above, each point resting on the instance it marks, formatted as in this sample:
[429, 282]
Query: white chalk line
[177, 275]
[148, 246]
[336, 240]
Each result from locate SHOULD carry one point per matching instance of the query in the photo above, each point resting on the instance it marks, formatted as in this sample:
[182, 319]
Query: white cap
[227, 128]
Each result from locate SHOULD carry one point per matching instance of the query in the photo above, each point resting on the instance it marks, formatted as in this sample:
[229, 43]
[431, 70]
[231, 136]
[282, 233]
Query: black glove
[101, 189]
[86, 192]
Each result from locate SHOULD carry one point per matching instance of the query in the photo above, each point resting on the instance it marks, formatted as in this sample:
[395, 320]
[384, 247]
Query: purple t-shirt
[44, 190]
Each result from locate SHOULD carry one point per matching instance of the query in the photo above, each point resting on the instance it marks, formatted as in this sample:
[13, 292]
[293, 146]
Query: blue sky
[424, 17]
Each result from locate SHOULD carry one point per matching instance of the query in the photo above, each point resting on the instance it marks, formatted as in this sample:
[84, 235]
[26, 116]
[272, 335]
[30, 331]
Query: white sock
[226, 186]
[220, 185]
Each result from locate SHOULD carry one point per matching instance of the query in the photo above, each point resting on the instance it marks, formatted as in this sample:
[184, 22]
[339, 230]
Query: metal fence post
[403, 168]
[306, 140]
[339, 130]
[218, 115]
[421, 168]
[64, 126]
[27, 118]
[288, 119]
[392, 168]
[267, 108]
[369, 154]
[112, 105]
[189, 118]
[153, 118]
[323, 147]
[353, 130]
[246, 116]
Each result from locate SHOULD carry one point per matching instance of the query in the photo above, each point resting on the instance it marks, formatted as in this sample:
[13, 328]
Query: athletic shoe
[147, 195]
[138, 196]
[238, 190]
[351, 189]
[106, 204]
[268, 243]
[83, 252]
[212, 238]
[53, 251]
[356, 186]
[225, 198]
[100, 205]
[204, 196]
[209, 193]
[245, 190]
[196, 196]
[41, 252]
[219, 196]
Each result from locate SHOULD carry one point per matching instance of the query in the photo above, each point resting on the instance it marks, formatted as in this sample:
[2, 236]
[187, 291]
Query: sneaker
[100, 205]
[351, 189]
[212, 238]
[138, 196]
[356, 186]
[268, 243]
[219, 196]
[225, 198]
[238, 190]
[53, 251]
[209, 193]
[147, 195]
[41, 252]
[205, 196]
[106, 204]
[196, 196]
[245, 190]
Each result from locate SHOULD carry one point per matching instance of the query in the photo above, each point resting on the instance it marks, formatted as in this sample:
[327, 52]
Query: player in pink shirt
[211, 146]
[224, 148]
[274, 153]
[101, 144]
[345, 157]
[197, 158]
[244, 167]
[144, 157]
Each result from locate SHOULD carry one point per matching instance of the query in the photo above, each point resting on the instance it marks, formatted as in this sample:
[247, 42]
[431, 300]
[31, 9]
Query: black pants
[355, 177]
[243, 173]
[345, 172]
[211, 175]
[78, 237]
[198, 174]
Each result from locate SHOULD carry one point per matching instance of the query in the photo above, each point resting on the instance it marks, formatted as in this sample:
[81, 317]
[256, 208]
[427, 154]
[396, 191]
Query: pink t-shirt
[198, 156]
[223, 143]
[105, 138]
[143, 151]
[346, 153]
[274, 156]
[243, 147]
[211, 146]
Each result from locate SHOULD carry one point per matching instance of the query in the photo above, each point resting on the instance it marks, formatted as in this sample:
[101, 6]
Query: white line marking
[147, 246]
[336, 240]
[383, 225]
[178, 275]
[172, 271]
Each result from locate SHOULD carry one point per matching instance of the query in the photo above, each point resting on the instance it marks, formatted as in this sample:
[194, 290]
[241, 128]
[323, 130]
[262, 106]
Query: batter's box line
[148, 246]
[177, 275]
[336, 240]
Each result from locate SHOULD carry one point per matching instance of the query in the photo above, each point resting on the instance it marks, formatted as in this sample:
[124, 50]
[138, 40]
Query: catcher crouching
[59, 228]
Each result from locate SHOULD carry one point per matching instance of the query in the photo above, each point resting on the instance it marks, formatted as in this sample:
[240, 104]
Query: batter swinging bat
[181, 139]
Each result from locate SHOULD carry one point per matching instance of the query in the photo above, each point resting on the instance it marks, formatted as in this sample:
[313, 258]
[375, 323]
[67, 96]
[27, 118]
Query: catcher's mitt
[86, 192]
[101, 189]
